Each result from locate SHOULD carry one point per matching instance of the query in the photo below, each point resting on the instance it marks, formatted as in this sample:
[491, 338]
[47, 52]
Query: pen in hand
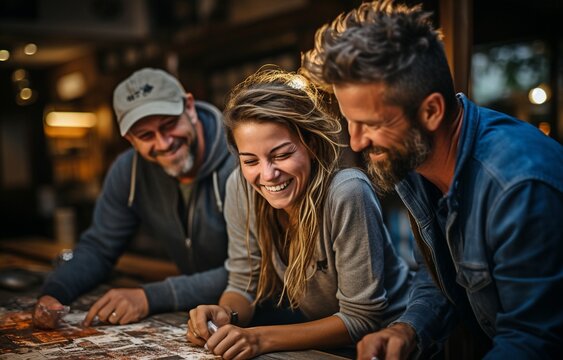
[212, 328]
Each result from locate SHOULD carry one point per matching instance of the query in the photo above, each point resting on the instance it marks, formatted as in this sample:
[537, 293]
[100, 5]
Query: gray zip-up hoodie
[137, 192]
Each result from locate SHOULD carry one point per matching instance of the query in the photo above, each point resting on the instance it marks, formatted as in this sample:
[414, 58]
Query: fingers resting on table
[119, 306]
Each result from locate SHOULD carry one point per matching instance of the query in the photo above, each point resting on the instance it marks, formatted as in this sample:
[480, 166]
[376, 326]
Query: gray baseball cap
[147, 92]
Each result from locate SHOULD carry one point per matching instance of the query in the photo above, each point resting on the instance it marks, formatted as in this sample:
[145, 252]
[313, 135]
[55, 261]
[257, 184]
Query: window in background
[516, 78]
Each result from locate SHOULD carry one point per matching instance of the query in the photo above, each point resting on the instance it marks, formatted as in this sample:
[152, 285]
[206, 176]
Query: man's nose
[358, 140]
[162, 141]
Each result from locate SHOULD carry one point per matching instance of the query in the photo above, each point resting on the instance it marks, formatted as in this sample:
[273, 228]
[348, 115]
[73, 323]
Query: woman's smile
[279, 187]
[274, 161]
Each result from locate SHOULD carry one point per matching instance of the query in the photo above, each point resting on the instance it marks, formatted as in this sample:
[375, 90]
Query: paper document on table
[149, 339]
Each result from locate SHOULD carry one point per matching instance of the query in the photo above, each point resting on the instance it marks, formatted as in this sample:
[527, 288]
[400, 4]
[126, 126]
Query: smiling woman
[274, 161]
[302, 234]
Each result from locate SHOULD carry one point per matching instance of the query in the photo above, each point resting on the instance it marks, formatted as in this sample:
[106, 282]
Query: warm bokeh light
[25, 96]
[65, 132]
[4, 55]
[545, 127]
[537, 96]
[71, 119]
[30, 49]
[71, 86]
[26, 93]
[19, 75]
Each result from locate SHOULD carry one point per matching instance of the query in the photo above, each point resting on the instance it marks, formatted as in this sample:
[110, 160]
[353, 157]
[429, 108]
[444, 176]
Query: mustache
[375, 150]
[176, 144]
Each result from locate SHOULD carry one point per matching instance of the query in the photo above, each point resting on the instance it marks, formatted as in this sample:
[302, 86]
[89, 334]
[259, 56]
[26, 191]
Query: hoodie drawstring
[133, 178]
[217, 193]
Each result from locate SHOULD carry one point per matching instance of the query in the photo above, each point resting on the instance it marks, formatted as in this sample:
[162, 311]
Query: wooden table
[157, 337]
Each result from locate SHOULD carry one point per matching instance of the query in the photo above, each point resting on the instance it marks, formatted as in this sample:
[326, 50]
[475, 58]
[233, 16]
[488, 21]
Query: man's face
[391, 143]
[168, 140]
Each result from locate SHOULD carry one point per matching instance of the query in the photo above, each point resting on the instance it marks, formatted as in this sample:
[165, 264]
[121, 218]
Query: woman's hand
[229, 341]
[233, 342]
[198, 332]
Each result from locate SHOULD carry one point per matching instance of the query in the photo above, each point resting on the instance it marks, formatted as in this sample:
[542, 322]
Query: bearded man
[172, 183]
[484, 190]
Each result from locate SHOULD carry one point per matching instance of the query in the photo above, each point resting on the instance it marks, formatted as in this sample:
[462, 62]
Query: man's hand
[48, 312]
[119, 306]
[393, 343]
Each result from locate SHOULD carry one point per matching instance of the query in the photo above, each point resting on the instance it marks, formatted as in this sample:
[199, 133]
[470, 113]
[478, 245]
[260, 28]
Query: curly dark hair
[383, 42]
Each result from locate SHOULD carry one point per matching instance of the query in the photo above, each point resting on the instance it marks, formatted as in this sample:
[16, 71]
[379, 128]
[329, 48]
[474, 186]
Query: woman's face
[274, 161]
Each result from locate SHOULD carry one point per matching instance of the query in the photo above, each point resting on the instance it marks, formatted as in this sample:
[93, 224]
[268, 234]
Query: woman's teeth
[279, 187]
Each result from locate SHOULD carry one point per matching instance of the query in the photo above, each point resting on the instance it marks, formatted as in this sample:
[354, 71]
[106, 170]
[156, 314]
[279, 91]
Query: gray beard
[387, 173]
[183, 166]
[186, 164]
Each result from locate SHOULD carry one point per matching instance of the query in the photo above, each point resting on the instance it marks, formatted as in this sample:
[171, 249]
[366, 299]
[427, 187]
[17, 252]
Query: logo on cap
[143, 90]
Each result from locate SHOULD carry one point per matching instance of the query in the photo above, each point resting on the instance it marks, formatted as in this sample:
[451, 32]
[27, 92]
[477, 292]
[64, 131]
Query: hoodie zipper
[189, 231]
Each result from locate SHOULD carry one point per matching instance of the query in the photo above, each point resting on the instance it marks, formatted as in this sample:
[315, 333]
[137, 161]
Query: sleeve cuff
[420, 317]
[160, 297]
[58, 291]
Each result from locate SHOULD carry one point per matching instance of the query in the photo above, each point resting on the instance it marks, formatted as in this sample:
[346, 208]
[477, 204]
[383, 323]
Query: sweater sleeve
[184, 292]
[362, 247]
[99, 247]
[243, 263]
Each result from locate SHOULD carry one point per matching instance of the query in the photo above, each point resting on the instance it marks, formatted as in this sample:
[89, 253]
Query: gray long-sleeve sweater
[137, 192]
[356, 274]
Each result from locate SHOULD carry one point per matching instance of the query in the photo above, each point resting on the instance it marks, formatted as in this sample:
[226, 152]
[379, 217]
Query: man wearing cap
[172, 182]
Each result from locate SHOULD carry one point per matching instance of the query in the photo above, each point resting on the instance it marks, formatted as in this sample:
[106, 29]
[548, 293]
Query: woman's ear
[432, 111]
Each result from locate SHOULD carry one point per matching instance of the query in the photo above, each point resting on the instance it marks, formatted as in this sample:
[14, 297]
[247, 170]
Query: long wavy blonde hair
[273, 95]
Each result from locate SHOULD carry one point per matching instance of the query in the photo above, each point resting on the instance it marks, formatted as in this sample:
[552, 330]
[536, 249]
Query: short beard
[183, 167]
[387, 173]
[185, 164]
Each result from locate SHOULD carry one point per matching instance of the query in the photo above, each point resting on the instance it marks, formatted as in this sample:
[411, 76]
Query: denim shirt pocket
[477, 281]
[473, 276]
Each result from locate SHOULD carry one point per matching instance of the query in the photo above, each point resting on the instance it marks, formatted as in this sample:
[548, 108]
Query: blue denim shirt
[493, 245]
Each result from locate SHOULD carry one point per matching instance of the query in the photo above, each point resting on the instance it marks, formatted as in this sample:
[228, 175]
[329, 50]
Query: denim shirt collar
[466, 144]
[469, 126]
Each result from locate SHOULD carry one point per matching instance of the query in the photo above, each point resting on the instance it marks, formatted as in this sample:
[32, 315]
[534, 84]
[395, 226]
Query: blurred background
[61, 59]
